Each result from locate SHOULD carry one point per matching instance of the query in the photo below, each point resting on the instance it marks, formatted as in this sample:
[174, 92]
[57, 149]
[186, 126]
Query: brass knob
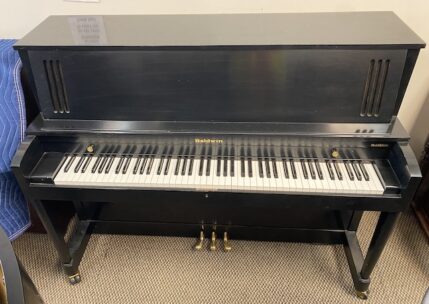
[213, 242]
[335, 153]
[226, 244]
[90, 149]
[200, 242]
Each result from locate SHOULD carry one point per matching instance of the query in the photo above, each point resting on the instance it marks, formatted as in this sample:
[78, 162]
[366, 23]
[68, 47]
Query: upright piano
[272, 127]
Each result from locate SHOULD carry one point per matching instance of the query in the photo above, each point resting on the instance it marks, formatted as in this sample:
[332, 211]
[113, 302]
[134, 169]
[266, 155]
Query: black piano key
[311, 169]
[356, 169]
[102, 164]
[185, 161]
[243, 167]
[126, 165]
[132, 150]
[232, 165]
[201, 168]
[286, 171]
[225, 166]
[110, 163]
[177, 169]
[167, 165]
[86, 164]
[161, 162]
[191, 161]
[218, 167]
[209, 160]
[364, 172]
[150, 165]
[304, 169]
[292, 169]
[318, 169]
[79, 163]
[138, 161]
[145, 159]
[71, 160]
[191, 165]
[338, 171]
[275, 172]
[261, 169]
[97, 162]
[144, 162]
[267, 168]
[120, 163]
[349, 170]
[111, 158]
[249, 167]
[330, 170]
[136, 166]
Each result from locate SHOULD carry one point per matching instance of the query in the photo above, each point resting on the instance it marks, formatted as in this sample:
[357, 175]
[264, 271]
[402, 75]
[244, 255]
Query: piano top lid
[382, 29]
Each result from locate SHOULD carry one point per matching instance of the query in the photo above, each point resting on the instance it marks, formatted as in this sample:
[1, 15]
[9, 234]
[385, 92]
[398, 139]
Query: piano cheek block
[224, 127]
[47, 168]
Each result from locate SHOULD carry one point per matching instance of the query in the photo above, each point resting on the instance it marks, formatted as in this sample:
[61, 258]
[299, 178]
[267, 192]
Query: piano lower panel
[301, 235]
[216, 213]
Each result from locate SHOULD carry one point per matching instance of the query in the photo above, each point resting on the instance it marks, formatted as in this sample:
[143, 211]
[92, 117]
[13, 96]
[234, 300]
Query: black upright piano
[275, 127]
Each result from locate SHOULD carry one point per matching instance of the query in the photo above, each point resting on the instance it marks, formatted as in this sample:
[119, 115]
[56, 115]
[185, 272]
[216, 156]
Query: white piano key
[339, 186]
[301, 181]
[282, 182]
[85, 176]
[292, 182]
[171, 171]
[236, 180]
[328, 184]
[374, 179]
[318, 182]
[311, 181]
[259, 183]
[347, 183]
[193, 179]
[130, 176]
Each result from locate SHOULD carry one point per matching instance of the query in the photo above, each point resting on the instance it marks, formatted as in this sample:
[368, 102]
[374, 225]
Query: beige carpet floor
[144, 269]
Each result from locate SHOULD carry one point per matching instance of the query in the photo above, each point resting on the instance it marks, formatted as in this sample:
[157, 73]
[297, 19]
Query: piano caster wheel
[213, 242]
[363, 295]
[226, 244]
[74, 279]
[200, 242]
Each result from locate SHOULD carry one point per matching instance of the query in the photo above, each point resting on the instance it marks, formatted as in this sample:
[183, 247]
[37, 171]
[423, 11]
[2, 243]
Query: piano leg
[70, 255]
[360, 267]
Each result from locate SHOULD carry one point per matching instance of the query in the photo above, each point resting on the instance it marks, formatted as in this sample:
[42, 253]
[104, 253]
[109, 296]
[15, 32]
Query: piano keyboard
[220, 173]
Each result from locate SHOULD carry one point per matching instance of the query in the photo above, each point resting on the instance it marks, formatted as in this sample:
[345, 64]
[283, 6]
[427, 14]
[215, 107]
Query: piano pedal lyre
[226, 243]
[200, 241]
[213, 242]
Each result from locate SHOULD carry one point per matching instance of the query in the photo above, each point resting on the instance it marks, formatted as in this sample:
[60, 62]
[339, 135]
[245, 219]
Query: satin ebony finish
[210, 77]
[269, 87]
[379, 29]
[252, 85]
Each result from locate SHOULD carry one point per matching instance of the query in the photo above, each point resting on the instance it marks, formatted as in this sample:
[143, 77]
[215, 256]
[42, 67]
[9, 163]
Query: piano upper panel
[220, 85]
[358, 75]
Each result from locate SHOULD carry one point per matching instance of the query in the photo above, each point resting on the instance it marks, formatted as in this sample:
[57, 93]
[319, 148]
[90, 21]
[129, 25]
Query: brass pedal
[226, 243]
[213, 242]
[200, 242]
